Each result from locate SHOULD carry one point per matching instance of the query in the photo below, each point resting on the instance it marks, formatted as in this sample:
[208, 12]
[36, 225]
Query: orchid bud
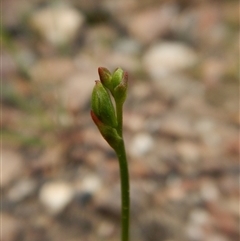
[105, 77]
[102, 105]
[117, 77]
[109, 133]
[120, 92]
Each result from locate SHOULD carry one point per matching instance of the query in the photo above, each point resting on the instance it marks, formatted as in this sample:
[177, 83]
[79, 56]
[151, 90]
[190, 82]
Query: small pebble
[55, 196]
[199, 217]
[188, 151]
[106, 229]
[21, 190]
[58, 25]
[141, 144]
[209, 191]
[165, 58]
[91, 184]
[153, 21]
[194, 232]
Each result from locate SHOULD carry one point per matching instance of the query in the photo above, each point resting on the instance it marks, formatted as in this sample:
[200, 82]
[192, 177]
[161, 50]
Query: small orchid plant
[108, 117]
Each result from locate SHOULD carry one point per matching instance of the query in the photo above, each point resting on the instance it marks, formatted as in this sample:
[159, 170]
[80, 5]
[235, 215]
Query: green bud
[120, 92]
[109, 133]
[105, 77]
[117, 77]
[102, 106]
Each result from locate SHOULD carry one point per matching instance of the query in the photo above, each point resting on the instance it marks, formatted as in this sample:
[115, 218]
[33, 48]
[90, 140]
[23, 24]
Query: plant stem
[121, 153]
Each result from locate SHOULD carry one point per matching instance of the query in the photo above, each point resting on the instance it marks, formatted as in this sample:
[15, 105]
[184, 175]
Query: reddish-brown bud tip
[125, 75]
[102, 70]
[105, 77]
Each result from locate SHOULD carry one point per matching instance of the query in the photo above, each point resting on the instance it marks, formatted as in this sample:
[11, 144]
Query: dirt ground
[60, 180]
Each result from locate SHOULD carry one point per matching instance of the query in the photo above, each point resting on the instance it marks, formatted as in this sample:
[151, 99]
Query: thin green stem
[121, 153]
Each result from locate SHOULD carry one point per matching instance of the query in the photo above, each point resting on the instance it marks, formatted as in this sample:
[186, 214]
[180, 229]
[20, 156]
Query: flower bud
[102, 106]
[117, 77]
[105, 77]
[120, 92]
[109, 133]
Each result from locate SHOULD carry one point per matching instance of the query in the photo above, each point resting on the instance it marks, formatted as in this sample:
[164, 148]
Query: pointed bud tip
[102, 68]
[102, 71]
[98, 83]
[105, 77]
[125, 75]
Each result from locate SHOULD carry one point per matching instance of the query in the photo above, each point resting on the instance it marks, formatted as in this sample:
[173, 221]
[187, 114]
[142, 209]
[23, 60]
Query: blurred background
[60, 180]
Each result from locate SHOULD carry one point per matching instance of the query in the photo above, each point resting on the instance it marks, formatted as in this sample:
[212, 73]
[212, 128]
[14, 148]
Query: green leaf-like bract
[102, 105]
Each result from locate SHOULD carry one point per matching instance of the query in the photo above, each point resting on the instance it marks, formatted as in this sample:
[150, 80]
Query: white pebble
[55, 196]
[57, 25]
[91, 184]
[165, 58]
[141, 144]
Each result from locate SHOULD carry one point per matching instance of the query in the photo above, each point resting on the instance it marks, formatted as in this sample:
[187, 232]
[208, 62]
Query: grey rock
[21, 190]
[129, 46]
